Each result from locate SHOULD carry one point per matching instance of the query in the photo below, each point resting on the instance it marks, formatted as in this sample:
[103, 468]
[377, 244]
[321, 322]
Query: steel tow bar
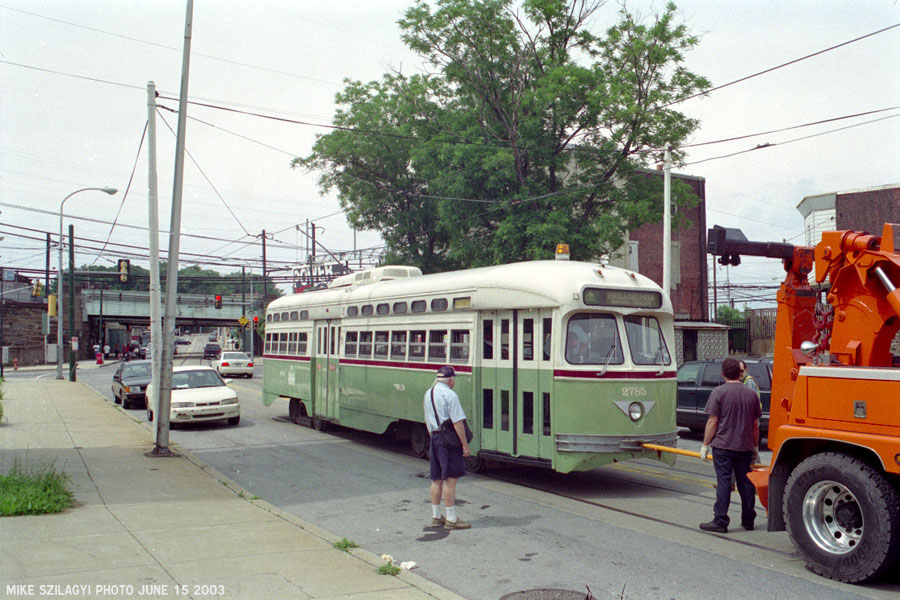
[683, 452]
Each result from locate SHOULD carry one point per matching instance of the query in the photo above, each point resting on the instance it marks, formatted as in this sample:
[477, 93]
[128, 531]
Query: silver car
[233, 364]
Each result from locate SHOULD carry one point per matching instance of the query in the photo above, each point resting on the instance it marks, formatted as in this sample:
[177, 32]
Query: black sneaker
[714, 527]
[747, 526]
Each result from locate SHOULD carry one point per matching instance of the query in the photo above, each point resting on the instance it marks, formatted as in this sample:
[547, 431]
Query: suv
[698, 378]
[211, 351]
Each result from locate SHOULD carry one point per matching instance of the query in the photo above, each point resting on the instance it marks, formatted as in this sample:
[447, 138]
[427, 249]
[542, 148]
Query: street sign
[243, 321]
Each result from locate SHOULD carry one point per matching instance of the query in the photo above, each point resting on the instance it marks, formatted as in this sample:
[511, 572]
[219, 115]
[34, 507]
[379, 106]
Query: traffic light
[124, 269]
[218, 301]
[255, 320]
[37, 289]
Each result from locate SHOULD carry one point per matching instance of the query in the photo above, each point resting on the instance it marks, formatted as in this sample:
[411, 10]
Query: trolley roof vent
[375, 275]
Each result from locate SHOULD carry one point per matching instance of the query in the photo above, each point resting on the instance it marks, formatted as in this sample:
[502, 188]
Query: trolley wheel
[418, 440]
[319, 424]
[294, 409]
[476, 464]
[844, 517]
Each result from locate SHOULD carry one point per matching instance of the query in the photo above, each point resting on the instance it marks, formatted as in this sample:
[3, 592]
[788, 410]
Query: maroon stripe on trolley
[380, 363]
[613, 374]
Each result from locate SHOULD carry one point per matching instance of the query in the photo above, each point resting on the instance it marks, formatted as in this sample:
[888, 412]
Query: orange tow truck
[834, 431]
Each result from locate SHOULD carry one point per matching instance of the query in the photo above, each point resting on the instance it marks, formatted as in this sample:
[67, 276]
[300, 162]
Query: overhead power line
[782, 65]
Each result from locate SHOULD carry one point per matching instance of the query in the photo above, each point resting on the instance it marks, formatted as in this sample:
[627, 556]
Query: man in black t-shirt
[732, 430]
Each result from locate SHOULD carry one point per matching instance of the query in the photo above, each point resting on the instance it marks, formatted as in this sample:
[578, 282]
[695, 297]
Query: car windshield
[136, 371]
[196, 379]
[235, 356]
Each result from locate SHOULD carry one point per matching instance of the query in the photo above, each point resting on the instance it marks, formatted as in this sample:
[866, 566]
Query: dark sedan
[129, 384]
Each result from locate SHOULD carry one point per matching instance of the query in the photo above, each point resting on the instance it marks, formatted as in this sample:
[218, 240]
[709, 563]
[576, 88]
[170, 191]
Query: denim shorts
[446, 461]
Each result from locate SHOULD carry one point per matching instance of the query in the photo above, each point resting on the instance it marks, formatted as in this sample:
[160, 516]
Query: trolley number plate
[633, 391]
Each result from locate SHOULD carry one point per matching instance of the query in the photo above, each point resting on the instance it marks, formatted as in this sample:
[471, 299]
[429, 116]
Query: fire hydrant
[15, 364]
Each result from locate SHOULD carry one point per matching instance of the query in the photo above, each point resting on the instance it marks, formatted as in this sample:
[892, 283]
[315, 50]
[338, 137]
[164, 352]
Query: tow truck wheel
[844, 517]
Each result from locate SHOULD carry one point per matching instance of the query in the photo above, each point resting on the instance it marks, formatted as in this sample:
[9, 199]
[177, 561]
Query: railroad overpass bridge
[133, 309]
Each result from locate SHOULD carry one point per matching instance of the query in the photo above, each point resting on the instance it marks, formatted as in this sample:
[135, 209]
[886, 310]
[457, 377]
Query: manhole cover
[547, 594]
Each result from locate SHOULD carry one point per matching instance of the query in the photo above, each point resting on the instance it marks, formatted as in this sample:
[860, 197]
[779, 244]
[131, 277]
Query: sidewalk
[159, 527]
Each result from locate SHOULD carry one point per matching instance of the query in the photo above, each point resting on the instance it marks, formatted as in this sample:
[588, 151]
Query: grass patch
[34, 491]
[345, 545]
[388, 569]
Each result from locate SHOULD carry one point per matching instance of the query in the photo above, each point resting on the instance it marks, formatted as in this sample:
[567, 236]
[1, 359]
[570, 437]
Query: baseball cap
[446, 373]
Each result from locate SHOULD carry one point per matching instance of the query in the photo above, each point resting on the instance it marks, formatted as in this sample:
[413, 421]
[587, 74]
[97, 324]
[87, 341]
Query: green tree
[531, 131]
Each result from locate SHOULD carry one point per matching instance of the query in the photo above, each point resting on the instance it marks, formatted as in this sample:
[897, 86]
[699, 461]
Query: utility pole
[667, 224]
[71, 302]
[243, 308]
[165, 386]
[156, 337]
[264, 264]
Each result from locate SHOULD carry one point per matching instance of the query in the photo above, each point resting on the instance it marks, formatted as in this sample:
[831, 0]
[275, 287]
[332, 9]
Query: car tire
[117, 399]
[233, 421]
[149, 415]
[844, 517]
[250, 376]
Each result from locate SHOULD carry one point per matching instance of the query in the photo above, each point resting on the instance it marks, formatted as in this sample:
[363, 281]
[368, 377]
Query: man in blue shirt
[447, 462]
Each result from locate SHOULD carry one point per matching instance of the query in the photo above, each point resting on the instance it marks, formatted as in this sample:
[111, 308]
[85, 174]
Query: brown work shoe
[438, 521]
[457, 524]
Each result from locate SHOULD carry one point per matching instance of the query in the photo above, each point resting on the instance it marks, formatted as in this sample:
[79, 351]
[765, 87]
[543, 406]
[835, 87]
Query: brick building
[695, 337]
[860, 210]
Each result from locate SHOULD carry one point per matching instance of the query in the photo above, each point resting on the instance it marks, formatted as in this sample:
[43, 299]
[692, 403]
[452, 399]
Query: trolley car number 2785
[633, 391]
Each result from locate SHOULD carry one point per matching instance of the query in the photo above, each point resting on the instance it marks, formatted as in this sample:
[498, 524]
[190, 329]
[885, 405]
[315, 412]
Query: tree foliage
[530, 130]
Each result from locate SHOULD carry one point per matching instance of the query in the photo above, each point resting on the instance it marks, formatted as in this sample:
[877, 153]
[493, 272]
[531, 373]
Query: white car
[233, 364]
[198, 394]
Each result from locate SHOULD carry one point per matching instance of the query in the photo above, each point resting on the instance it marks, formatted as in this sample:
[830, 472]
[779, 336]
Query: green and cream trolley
[560, 364]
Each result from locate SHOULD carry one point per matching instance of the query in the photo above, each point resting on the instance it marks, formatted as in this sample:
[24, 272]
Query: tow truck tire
[844, 517]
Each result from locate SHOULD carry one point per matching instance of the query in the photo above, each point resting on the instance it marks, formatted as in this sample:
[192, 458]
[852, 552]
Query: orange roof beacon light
[562, 252]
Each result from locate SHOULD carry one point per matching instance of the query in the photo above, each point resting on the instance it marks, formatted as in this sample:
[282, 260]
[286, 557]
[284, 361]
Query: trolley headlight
[635, 411]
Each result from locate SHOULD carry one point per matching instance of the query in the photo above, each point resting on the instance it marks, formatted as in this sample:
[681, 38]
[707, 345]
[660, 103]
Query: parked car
[211, 351]
[232, 364]
[198, 394]
[129, 383]
[697, 379]
[183, 342]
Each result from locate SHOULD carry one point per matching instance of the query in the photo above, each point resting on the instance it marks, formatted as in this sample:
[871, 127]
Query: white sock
[436, 511]
[451, 514]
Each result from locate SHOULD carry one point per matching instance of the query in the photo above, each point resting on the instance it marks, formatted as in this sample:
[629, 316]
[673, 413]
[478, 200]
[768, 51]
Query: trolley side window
[282, 343]
[527, 339]
[527, 412]
[593, 339]
[487, 346]
[437, 345]
[504, 410]
[645, 339]
[417, 345]
[459, 345]
[548, 330]
[398, 345]
[292, 343]
[268, 347]
[546, 413]
[350, 344]
[365, 344]
[487, 409]
[504, 339]
[381, 344]
[302, 343]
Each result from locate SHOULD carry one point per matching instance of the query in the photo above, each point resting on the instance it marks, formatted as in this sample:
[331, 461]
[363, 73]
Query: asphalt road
[624, 531]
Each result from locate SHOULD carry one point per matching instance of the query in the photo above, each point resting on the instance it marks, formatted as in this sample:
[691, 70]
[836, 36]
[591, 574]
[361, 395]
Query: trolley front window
[646, 341]
[593, 339]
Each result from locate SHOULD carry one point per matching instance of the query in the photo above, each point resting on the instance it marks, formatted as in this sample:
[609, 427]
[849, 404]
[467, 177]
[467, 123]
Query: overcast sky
[73, 107]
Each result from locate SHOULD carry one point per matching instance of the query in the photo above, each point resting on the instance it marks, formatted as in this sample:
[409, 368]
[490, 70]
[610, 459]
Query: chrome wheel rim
[832, 517]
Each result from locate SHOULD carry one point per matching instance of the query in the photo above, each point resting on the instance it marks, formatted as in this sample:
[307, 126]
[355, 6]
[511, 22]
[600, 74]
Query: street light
[59, 287]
